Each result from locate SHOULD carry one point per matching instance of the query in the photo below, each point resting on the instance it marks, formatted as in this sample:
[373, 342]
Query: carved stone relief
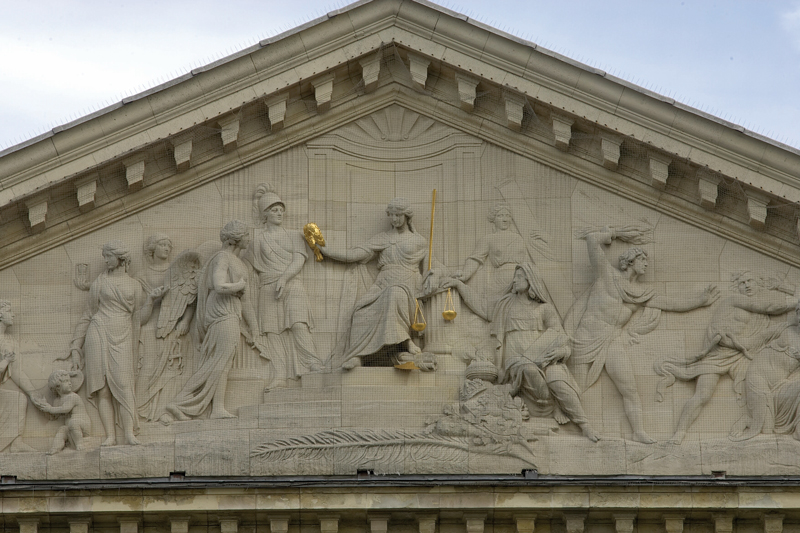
[535, 337]
[284, 315]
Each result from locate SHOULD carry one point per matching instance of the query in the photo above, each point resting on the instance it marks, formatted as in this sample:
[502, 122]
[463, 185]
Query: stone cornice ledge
[502, 499]
[308, 50]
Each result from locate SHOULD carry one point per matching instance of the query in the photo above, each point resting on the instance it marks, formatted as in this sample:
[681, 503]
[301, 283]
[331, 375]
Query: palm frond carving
[366, 447]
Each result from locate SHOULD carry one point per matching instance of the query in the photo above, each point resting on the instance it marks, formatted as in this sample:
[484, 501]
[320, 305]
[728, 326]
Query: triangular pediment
[533, 159]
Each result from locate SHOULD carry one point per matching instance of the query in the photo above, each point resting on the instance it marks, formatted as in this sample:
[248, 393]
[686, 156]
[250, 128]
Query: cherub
[66, 402]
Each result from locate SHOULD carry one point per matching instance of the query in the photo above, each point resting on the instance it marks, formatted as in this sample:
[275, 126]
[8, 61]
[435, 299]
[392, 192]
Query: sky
[738, 60]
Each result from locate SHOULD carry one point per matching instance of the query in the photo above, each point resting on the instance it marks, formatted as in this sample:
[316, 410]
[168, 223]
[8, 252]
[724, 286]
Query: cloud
[790, 21]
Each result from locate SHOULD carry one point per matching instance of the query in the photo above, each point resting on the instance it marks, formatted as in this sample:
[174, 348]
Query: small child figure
[66, 402]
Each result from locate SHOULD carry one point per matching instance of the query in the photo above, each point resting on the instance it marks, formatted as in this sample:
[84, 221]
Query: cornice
[529, 145]
[518, 71]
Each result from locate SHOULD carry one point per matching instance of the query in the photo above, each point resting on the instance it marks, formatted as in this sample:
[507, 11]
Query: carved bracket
[79, 525]
[623, 522]
[773, 523]
[129, 525]
[562, 129]
[419, 69]
[179, 524]
[467, 91]
[323, 91]
[37, 213]
[515, 105]
[328, 523]
[28, 525]
[757, 203]
[276, 108]
[182, 145]
[526, 523]
[574, 522]
[659, 170]
[723, 523]
[673, 523]
[609, 148]
[134, 171]
[708, 186]
[279, 524]
[370, 70]
[228, 525]
[427, 523]
[378, 523]
[230, 132]
[475, 522]
[86, 188]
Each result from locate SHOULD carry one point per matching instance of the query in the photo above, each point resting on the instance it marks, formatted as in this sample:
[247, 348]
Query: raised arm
[65, 408]
[668, 303]
[767, 302]
[597, 256]
[353, 255]
[475, 260]
[469, 296]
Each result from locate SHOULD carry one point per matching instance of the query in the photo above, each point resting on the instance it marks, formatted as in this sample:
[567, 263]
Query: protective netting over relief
[398, 295]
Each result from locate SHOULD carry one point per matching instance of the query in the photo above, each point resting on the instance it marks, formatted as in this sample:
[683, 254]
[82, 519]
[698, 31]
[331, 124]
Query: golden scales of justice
[449, 312]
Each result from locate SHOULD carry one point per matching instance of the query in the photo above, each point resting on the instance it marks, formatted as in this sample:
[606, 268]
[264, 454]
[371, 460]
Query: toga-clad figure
[278, 256]
[533, 347]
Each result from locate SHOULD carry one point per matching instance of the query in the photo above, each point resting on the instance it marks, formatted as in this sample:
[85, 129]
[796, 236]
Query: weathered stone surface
[440, 263]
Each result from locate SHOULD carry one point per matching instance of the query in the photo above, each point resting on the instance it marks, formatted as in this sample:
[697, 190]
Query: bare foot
[644, 438]
[350, 364]
[559, 415]
[110, 441]
[52, 452]
[589, 433]
[413, 348]
[132, 440]
[221, 413]
[677, 437]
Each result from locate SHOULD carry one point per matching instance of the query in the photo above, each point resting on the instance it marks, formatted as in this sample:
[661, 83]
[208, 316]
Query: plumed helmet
[265, 197]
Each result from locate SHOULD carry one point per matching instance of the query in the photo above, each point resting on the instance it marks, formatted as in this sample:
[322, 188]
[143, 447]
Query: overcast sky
[739, 60]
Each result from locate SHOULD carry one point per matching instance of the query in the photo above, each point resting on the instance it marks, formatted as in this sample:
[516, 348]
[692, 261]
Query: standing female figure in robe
[14, 407]
[278, 256]
[106, 339]
[498, 253]
[222, 302]
[383, 316]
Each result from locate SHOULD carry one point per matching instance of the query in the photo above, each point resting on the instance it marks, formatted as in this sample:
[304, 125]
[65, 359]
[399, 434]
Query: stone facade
[395, 242]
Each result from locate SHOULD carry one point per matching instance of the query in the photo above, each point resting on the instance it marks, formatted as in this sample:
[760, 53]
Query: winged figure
[162, 376]
[180, 286]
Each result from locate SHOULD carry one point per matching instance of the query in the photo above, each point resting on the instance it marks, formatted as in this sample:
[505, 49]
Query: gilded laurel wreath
[314, 238]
